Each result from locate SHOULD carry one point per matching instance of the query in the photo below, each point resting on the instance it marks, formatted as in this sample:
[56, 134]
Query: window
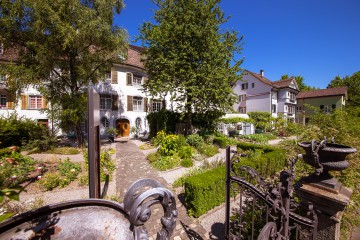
[292, 96]
[291, 109]
[242, 98]
[105, 102]
[252, 85]
[43, 122]
[129, 77]
[156, 106]
[328, 108]
[242, 109]
[105, 122]
[35, 102]
[1, 48]
[138, 123]
[2, 100]
[274, 95]
[137, 104]
[298, 109]
[137, 80]
[244, 86]
[273, 108]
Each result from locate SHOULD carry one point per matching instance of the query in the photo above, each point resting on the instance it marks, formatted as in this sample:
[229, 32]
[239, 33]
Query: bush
[64, 150]
[208, 150]
[187, 162]
[68, 169]
[250, 146]
[169, 143]
[224, 141]
[107, 165]
[186, 152]
[260, 138]
[152, 157]
[5, 152]
[205, 191]
[163, 120]
[16, 131]
[194, 140]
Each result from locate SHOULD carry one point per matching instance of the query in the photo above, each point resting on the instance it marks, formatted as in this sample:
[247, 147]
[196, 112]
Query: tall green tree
[353, 84]
[300, 82]
[62, 45]
[190, 57]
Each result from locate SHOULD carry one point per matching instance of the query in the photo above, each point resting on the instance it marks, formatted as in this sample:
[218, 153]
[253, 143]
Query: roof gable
[260, 78]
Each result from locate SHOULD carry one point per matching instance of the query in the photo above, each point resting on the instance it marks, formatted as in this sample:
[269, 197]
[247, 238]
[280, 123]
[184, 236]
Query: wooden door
[123, 127]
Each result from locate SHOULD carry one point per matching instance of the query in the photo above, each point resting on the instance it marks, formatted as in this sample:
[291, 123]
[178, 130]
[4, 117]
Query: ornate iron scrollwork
[275, 201]
[138, 202]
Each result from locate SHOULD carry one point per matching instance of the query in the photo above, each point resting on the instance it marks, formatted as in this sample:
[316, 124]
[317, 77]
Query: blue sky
[317, 39]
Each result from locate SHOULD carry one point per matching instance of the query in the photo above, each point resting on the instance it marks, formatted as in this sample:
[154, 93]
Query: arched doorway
[123, 127]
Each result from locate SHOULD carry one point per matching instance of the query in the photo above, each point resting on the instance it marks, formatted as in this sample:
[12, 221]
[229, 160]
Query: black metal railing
[256, 209]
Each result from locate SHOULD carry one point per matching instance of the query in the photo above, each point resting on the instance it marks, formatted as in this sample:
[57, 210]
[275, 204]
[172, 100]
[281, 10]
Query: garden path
[132, 165]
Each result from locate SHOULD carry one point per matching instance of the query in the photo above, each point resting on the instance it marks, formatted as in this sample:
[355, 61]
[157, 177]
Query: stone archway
[123, 127]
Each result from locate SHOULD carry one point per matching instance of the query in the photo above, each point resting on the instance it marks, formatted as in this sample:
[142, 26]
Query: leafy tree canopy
[300, 82]
[189, 56]
[61, 46]
[353, 84]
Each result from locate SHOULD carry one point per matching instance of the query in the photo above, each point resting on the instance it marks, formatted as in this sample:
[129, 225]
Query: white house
[123, 103]
[256, 93]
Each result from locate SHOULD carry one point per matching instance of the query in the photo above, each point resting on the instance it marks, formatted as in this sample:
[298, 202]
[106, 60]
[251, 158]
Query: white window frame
[244, 86]
[36, 98]
[2, 101]
[156, 106]
[242, 98]
[292, 96]
[108, 75]
[273, 108]
[274, 95]
[105, 122]
[291, 109]
[298, 109]
[136, 80]
[138, 104]
[105, 102]
[242, 109]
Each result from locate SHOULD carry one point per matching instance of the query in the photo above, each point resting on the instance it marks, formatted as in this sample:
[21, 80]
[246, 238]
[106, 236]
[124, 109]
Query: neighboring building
[258, 94]
[326, 100]
[123, 104]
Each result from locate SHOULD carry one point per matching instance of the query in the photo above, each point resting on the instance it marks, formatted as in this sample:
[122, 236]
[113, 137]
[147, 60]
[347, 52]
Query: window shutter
[114, 76]
[115, 103]
[24, 101]
[10, 101]
[45, 103]
[129, 78]
[163, 104]
[129, 103]
[145, 104]
[150, 105]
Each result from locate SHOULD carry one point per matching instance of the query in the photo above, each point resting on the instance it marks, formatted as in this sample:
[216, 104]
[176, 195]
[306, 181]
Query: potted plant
[112, 133]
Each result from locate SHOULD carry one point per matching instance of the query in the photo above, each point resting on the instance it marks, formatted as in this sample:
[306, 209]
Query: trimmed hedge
[251, 146]
[205, 191]
[224, 141]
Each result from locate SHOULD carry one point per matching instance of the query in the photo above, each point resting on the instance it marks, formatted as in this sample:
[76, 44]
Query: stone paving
[132, 165]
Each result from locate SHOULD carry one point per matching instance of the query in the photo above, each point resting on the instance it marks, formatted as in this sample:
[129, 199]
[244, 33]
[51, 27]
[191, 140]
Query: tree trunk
[79, 135]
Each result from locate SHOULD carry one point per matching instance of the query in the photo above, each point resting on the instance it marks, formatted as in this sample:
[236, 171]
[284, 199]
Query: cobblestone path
[132, 165]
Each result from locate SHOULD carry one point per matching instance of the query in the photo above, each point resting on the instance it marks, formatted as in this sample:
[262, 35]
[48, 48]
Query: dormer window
[133, 79]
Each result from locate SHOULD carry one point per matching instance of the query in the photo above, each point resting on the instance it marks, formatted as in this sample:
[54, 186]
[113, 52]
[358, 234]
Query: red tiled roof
[260, 78]
[134, 56]
[323, 92]
[283, 83]
[133, 59]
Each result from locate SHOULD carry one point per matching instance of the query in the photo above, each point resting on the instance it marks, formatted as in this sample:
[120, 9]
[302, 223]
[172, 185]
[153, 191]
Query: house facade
[123, 103]
[256, 93]
[326, 100]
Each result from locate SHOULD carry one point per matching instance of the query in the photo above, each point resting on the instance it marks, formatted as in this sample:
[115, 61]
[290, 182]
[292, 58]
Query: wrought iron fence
[259, 209]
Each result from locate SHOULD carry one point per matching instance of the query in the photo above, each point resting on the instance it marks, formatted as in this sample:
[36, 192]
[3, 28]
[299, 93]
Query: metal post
[227, 213]
[94, 142]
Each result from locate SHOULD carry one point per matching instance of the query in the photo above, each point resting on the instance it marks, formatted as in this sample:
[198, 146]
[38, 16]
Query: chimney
[262, 73]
